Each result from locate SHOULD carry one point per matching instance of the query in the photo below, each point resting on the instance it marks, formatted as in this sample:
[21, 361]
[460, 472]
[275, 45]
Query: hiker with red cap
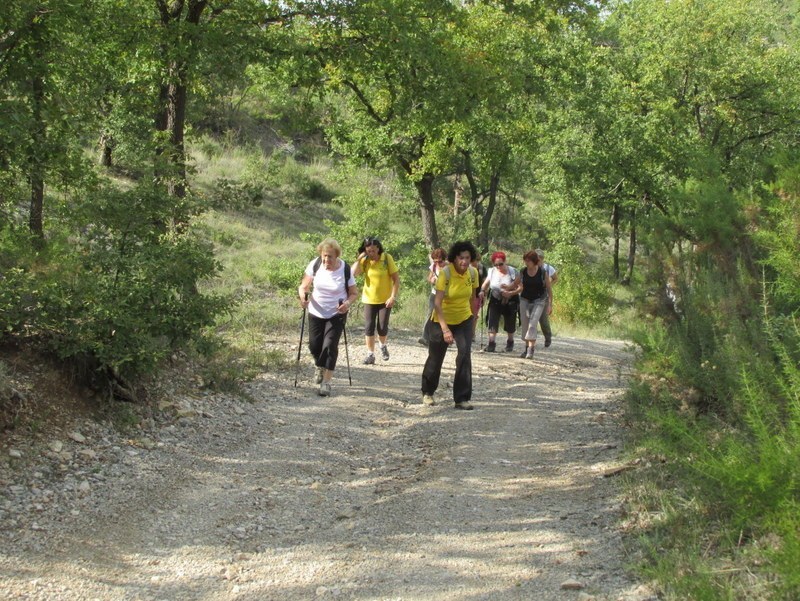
[502, 286]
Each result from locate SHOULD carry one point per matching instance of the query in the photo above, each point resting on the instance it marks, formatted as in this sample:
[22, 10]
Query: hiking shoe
[509, 346]
[369, 360]
[422, 341]
[325, 389]
[385, 352]
[427, 399]
[547, 342]
[490, 347]
[524, 353]
[318, 375]
[464, 406]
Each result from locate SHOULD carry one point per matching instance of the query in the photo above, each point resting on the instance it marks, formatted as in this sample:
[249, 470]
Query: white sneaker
[427, 399]
[325, 389]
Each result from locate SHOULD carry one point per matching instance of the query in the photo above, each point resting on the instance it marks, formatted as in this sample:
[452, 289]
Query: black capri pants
[507, 310]
[323, 339]
[376, 315]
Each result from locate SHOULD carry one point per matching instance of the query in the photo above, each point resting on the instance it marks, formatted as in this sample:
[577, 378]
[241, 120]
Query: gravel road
[366, 495]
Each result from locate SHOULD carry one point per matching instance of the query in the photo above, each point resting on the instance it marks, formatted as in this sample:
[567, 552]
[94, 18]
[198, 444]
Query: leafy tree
[402, 82]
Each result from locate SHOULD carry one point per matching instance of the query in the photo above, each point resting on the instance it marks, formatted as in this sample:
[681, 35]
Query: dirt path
[365, 495]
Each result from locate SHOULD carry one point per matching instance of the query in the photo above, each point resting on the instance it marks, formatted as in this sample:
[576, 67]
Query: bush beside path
[282, 494]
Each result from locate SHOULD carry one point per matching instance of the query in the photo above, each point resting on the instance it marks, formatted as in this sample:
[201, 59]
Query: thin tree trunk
[494, 186]
[474, 194]
[176, 121]
[36, 160]
[631, 251]
[425, 194]
[171, 117]
[106, 150]
[615, 225]
[458, 192]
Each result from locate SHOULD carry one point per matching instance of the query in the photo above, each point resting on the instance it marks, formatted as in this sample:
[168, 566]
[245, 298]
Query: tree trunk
[615, 225]
[176, 122]
[631, 251]
[494, 186]
[458, 192]
[425, 194]
[36, 160]
[171, 117]
[106, 150]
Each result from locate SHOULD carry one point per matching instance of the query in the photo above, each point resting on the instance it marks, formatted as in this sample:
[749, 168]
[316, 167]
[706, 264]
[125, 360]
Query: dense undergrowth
[715, 415]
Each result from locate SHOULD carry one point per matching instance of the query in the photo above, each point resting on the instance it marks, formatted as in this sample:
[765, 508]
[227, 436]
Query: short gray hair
[539, 252]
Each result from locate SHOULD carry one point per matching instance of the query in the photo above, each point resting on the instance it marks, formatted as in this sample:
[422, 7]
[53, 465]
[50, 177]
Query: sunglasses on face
[500, 264]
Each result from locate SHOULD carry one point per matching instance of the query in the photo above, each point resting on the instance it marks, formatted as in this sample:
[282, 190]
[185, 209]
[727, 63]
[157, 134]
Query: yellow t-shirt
[457, 305]
[377, 279]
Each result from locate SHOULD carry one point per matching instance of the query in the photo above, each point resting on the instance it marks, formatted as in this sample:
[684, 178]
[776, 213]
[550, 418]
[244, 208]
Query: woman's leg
[437, 349]
[493, 323]
[462, 381]
[316, 334]
[330, 345]
[525, 310]
[370, 319]
[510, 311]
[383, 329]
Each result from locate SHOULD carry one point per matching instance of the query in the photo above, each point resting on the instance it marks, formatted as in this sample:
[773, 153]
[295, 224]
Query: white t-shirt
[497, 279]
[551, 271]
[329, 289]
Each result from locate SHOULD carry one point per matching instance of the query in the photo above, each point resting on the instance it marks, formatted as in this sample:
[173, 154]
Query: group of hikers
[460, 286]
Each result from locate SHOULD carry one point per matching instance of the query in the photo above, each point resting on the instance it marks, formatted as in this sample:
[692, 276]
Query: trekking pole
[300, 344]
[346, 353]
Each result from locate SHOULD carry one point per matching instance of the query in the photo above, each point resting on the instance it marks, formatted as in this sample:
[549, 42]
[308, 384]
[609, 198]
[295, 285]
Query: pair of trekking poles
[300, 345]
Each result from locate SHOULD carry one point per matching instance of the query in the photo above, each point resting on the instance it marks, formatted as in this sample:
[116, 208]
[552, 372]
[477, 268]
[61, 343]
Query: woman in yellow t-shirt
[451, 321]
[381, 286]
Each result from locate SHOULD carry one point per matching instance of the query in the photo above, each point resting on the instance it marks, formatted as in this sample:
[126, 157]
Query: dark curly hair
[460, 247]
[370, 241]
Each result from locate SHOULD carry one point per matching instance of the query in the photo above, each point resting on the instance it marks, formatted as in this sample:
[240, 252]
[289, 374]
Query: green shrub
[581, 296]
[123, 294]
[230, 195]
[284, 275]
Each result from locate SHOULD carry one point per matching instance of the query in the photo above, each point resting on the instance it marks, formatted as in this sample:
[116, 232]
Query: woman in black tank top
[536, 297]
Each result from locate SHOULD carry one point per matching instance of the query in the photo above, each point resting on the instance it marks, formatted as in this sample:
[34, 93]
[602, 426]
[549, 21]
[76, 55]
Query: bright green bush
[581, 296]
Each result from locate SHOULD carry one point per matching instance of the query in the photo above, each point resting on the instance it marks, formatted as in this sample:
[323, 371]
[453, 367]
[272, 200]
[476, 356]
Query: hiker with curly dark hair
[451, 322]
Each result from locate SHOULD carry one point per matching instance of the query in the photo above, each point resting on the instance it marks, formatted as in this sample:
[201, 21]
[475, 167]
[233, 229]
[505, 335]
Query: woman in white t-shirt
[501, 284]
[333, 290]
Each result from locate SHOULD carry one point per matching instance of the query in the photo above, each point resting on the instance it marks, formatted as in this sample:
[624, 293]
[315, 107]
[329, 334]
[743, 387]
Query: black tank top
[533, 286]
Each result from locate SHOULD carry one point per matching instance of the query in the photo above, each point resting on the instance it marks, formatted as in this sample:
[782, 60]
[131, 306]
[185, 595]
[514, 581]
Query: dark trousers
[508, 311]
[544, 322]
[376, 315]
[323, 339]
[437, 349]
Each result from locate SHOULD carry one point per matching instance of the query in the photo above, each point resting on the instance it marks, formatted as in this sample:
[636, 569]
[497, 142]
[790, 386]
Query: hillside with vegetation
[168, 166]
